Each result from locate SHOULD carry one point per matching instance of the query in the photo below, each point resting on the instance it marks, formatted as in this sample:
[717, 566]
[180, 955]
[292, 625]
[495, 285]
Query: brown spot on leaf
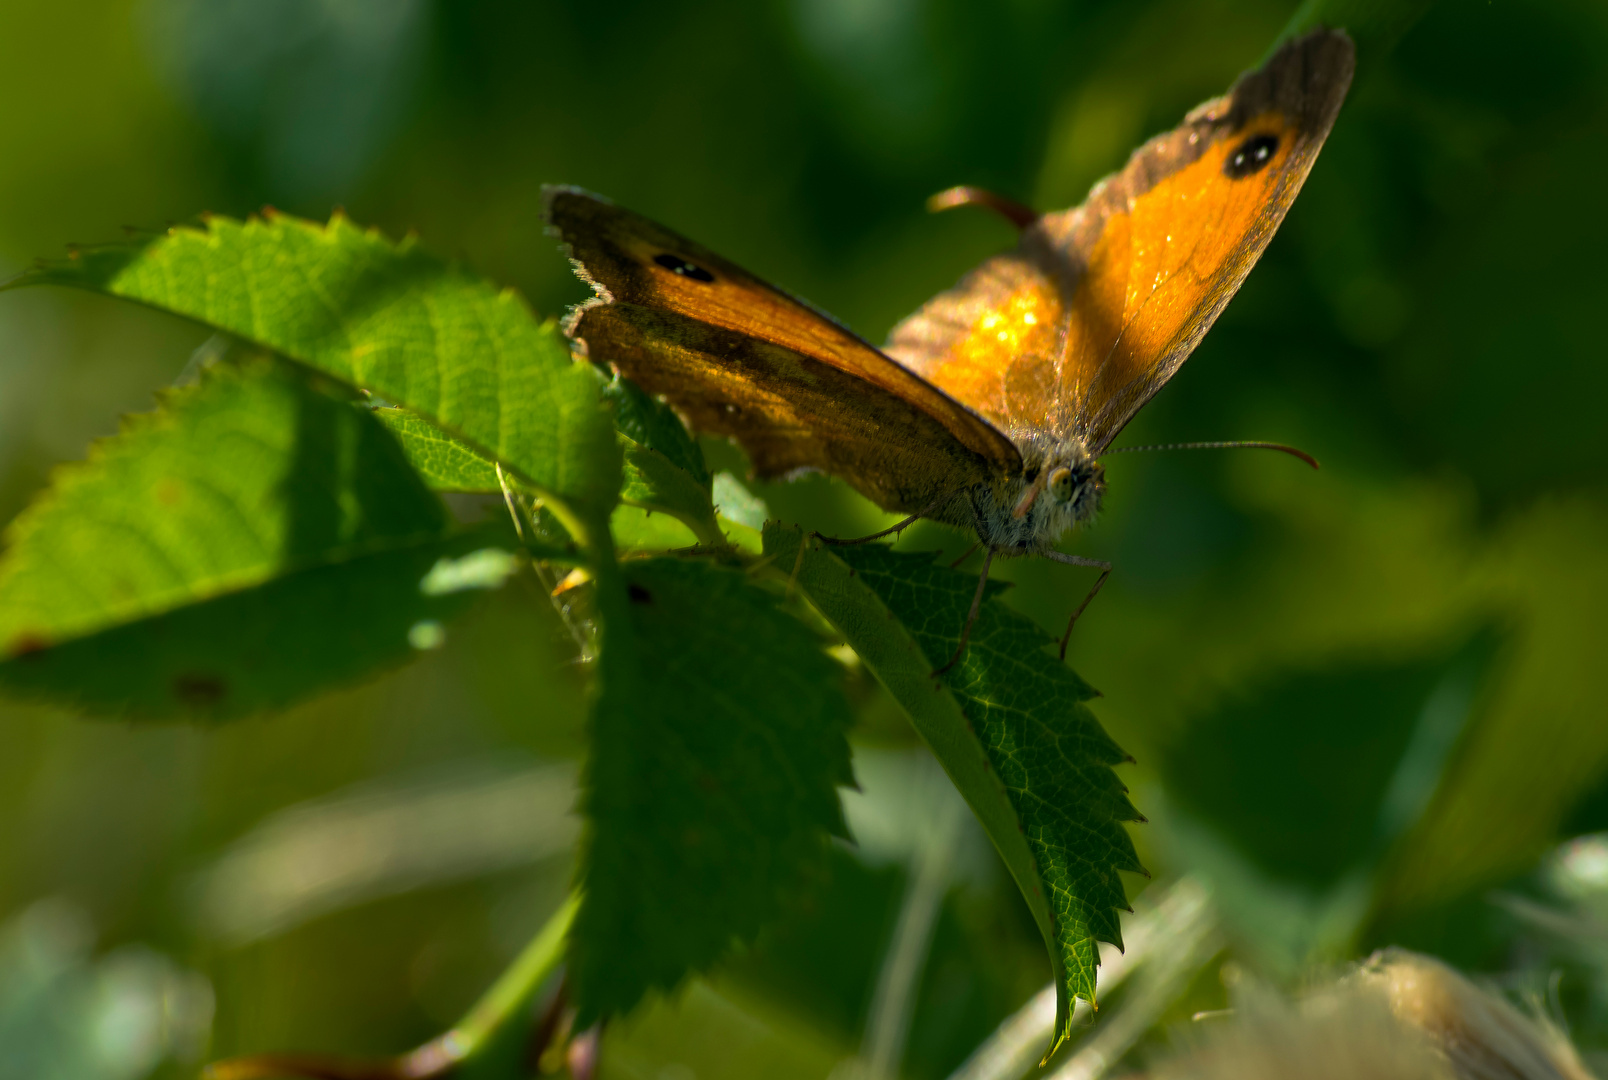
[199, 691]
[27, 643]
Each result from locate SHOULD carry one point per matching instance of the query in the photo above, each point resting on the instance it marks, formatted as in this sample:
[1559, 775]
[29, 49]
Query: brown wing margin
[741, 358]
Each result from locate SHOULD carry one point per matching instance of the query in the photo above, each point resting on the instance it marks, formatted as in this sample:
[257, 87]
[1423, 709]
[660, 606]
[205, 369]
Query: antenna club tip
[1237, 444]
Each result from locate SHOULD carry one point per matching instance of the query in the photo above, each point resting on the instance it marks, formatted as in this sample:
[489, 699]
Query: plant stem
[488, 1041]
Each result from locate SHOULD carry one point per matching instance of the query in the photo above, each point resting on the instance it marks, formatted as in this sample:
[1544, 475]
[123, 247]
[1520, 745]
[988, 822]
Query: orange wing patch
[1169, 266]
[1004, 359]
[1136, 275]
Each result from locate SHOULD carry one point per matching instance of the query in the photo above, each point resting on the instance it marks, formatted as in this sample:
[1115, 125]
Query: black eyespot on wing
[1250, 156]
[677, 265]
[638, 594]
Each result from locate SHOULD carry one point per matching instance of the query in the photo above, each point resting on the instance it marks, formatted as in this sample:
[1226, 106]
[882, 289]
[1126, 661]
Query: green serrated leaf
[443, 462]
[718, 743]
[190, 566]
[651, 480]
[391, 318]
[1008, 724]
[655, 425]
[664, 469]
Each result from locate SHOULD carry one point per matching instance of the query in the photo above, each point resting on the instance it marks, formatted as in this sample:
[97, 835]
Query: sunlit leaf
[388, 317]
[443, 462]
[664, 471]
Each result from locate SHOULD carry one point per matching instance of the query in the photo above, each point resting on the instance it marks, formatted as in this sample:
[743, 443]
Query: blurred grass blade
[191, 565]
[1008, 725]
[1165, 919]
[1184, 937]
[374, 842]
[718, 743]
[388, 317]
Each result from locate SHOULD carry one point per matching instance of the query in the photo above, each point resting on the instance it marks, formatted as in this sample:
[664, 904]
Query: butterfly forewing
[1136, 275]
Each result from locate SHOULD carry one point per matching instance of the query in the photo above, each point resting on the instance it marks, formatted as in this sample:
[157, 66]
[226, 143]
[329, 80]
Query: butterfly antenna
[1009, 209]
[1235, 445]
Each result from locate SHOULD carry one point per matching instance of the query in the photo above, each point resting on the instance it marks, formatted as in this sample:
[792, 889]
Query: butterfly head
[1059, 488]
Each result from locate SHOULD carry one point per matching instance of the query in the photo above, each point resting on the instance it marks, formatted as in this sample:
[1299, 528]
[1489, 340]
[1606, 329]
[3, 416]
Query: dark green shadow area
[1316, 772]
[263, 648]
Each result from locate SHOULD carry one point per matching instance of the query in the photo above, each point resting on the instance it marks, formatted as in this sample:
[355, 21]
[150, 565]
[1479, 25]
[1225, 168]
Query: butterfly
[990, 407]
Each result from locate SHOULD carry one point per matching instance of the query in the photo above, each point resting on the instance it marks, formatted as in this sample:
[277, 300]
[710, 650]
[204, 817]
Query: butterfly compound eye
[1060, 484]
[679, 266]
[1250, 156]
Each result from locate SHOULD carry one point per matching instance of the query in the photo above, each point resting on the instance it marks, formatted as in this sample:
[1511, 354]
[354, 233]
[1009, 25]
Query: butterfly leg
[1078, 560]
[964, 555]
[905, 524]
[971, 616]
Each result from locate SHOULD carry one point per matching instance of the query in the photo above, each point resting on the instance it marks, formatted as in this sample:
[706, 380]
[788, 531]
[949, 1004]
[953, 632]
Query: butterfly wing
[1100, 305]
[741, 358]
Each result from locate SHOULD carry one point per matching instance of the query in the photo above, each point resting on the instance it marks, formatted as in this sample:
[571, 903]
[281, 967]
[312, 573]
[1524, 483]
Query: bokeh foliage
[1424, 323]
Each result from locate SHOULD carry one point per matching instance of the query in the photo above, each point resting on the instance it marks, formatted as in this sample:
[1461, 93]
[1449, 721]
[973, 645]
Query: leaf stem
[492, 1027]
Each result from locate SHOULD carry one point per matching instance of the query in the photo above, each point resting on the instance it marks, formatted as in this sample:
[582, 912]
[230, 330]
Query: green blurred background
[1365, 702]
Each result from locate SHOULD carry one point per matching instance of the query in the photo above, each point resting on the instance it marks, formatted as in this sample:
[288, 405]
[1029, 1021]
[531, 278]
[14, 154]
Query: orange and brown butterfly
[990, 407]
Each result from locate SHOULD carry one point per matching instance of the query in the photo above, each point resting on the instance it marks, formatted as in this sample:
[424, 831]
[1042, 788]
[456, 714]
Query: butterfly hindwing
[741, 358]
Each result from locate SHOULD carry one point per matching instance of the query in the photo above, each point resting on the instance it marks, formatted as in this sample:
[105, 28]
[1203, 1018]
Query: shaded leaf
[655, 425]
[718, 742]
[251, 541]
[1008, 724]
[651, 482]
